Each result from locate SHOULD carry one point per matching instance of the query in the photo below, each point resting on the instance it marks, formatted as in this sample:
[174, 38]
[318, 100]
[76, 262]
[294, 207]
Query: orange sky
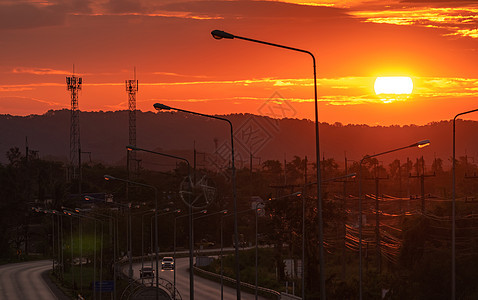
[180, 64]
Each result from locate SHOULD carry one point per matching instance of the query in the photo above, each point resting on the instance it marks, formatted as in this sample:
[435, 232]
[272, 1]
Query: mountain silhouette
[105, 135]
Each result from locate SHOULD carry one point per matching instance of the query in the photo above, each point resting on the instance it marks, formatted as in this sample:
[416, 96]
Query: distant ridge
[105, 135]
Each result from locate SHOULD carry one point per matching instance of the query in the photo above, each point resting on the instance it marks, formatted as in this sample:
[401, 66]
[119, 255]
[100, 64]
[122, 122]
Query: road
[24, 281]
[203, 289]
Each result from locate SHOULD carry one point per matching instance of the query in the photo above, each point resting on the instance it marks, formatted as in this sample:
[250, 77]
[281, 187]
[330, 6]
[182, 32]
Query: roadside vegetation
[415, 252]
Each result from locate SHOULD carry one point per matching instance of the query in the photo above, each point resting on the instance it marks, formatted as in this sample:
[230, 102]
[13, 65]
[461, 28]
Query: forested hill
[105, 135]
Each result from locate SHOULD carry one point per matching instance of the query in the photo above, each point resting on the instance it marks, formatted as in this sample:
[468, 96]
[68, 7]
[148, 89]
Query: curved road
[203, 288]
[24, 281]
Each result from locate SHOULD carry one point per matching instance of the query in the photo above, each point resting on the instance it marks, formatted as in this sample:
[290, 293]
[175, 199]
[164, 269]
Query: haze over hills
[105, 135]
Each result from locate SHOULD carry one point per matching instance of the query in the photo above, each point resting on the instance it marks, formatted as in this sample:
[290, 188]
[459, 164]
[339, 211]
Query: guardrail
[285, 296]
[263, 290]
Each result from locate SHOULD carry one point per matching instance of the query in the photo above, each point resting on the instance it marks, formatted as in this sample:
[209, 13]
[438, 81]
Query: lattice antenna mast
[74, 84]
[132, 89]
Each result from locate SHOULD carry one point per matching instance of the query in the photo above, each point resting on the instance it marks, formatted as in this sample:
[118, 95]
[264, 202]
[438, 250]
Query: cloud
[78, 6]
[39, 71]
[457, 21]
[345, 90]
[179, 75]
[216, 10]
[27, 105]
[35, 14]
[15, 88]
[25, 16]
[253, 9]
[124, 6]
[447, 2]
[431, 87]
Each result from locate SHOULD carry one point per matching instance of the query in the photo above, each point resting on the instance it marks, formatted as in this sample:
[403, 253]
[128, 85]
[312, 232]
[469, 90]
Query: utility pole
[344, 228]
[466, 168]
[400, 188]
[377, 179]
[422, 177]
[251, 157]
[408, 183]
[304, 191]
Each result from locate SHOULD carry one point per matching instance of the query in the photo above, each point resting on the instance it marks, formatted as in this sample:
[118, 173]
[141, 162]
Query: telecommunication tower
[132, 89]
[74, 85]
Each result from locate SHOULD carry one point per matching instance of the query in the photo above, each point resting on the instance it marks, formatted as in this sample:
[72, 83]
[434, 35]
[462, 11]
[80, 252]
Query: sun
[393, 88]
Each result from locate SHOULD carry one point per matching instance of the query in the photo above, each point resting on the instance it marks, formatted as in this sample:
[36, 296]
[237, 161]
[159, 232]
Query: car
[205, 244]
[146, 272]
[167, 263]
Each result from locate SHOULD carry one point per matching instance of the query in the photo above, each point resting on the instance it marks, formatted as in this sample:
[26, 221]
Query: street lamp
[223, 213]
[41, 210]
[243, 211]
[419, 144]
[222, 267]
[115, 231]
[109, 177]
[76, 213]
[218, 34]
[257, 244]
[60, 264]
[191, 245]
[143, 214]
[160, 106]
[453, 236]
[134, 148]
[166, 211]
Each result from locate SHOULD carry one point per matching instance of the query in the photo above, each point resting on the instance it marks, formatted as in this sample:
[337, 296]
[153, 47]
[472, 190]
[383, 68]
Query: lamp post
[112, 219]
[223, 213]
[76, 213]
[166, 211]
[191, 245]
[61, 269]
[143, 214]
[419, 144]
[115, 234]
[109, 177]
[41, 210]
[222, 267]
[302, 269]
[218, 34]
[257, 245]
[142, 247]
[160, 106]
[128, 232]
[453, 236]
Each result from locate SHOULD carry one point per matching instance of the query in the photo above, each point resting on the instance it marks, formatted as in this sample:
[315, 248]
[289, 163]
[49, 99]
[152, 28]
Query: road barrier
[263, 290]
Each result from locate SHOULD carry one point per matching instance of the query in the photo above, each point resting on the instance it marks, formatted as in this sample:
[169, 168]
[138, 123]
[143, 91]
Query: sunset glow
[179, 63]
[226, 105]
